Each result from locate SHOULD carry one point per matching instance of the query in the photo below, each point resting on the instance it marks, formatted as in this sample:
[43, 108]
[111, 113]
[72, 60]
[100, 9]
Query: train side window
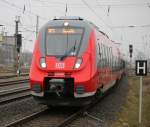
[99, 50]
[111, 57]
[103, 52]
[121, 67]
[115, 63]
[105, 57]
[119, 64]
[102, 58]
[97, 54]
[112, 62]
[108, 56]
[102, 48]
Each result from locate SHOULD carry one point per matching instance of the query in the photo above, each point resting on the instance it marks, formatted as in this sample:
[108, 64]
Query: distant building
[7, 48]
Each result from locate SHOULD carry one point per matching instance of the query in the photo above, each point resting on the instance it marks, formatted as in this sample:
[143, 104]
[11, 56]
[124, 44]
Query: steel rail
[27, 118]
[12, 76]
[14, 91]
[16, 98]
[83, 111]
[7, 83]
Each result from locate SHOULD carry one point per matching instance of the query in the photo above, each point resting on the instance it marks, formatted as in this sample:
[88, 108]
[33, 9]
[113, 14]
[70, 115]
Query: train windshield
[63, 41]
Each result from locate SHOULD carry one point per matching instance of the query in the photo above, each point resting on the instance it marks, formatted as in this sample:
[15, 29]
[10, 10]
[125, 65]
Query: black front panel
[59, 88]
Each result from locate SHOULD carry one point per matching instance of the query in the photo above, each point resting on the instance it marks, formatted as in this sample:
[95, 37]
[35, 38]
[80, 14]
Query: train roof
[68, 18]
[75, 21]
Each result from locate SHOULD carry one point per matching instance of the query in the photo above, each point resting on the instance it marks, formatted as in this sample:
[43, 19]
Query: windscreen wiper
[73, 48]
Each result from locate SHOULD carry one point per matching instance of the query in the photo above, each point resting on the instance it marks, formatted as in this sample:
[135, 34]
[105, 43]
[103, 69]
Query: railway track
[14, 82]
[14, 90]
[52, 118]
[27, 118]
[12, 76]
[7, 96]
[54, 121]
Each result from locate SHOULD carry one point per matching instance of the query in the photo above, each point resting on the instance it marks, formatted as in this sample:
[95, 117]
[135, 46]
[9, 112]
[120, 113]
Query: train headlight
[66, 23]
[78, 63]
[43, 63]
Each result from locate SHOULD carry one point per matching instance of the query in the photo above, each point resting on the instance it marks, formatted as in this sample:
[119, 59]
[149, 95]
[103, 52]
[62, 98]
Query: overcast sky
[112, 16]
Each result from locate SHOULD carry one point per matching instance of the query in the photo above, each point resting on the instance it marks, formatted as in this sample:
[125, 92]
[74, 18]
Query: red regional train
[72, 62]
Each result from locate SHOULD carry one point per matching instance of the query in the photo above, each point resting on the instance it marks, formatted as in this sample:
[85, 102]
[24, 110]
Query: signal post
[141, 70]
[18, 43]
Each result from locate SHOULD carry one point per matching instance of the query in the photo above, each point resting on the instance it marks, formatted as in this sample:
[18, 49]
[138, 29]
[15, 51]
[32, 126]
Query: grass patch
[128, 117]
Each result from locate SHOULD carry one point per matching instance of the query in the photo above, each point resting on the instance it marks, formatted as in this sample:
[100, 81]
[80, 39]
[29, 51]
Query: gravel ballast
[17, 110]
[107, 109]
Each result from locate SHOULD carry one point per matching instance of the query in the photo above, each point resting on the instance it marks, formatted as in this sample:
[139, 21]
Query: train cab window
[65, 40]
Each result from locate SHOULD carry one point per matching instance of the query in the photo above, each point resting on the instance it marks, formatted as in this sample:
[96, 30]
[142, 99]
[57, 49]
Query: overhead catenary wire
[30, 17]
[20, 8]
[47, 4]
[24, 27]
[123, 3]
[99, 3]
[29, 30]
[93, 11]
[131, 26]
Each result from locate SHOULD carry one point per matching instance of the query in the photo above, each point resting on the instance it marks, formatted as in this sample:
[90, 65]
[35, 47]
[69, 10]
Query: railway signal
[19, 42]
[141, 70]
[130, 50]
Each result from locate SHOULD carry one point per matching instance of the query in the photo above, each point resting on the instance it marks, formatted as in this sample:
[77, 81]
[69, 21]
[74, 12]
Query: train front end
[62, 70]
